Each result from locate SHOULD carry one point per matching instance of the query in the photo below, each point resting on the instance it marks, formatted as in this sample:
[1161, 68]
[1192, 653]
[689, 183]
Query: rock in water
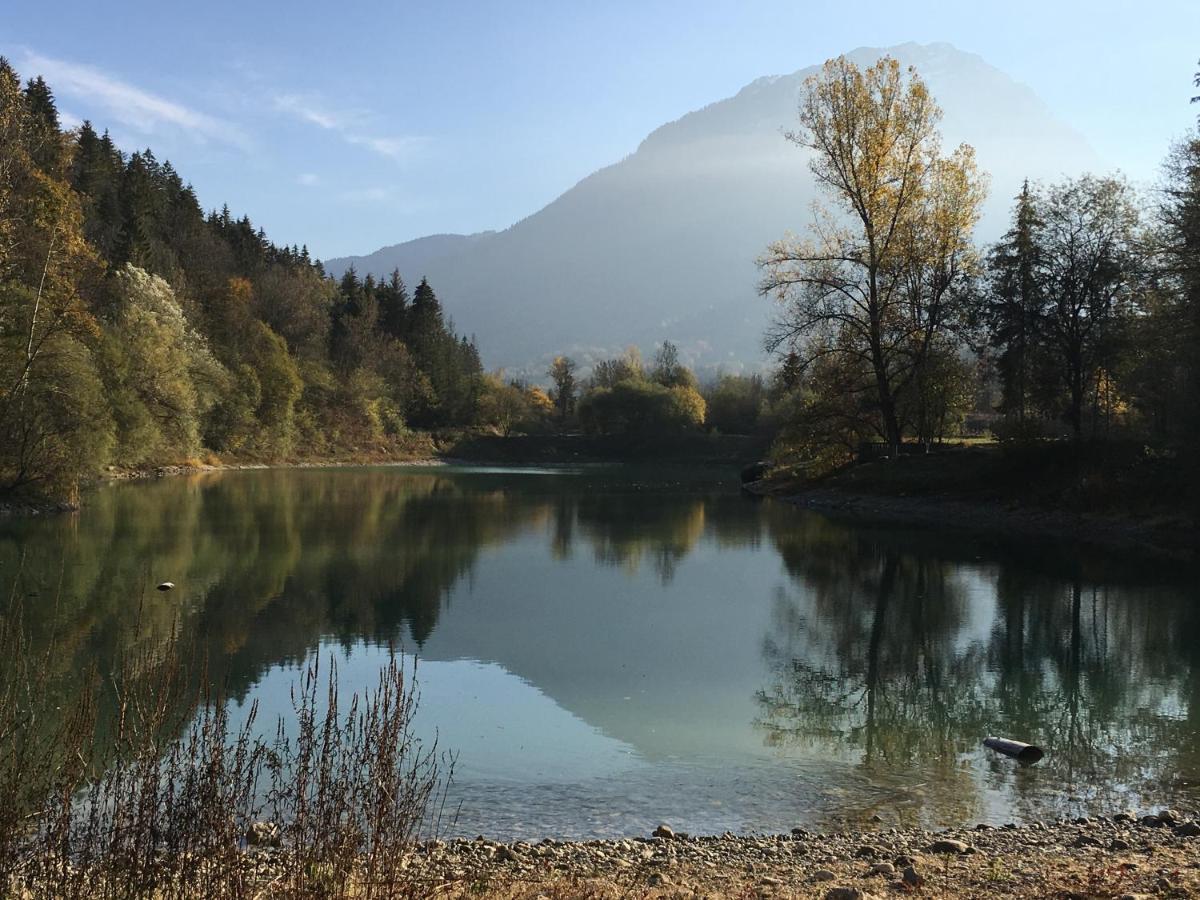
[166, 586]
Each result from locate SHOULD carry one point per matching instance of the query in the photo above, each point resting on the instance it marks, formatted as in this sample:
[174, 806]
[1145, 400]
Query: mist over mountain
[662, 245]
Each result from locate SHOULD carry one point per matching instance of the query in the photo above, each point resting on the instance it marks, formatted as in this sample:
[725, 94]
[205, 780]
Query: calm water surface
[609, 648]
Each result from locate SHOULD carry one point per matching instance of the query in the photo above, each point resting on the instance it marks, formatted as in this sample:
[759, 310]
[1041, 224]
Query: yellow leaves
[241, 292]
[1109, 401]
[539, 400]
[874, 133]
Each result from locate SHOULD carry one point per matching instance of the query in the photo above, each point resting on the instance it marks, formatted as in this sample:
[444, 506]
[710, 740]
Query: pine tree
[1015, 302]
[427, 326]
[97, 172]
[46, 147]
[393, 306]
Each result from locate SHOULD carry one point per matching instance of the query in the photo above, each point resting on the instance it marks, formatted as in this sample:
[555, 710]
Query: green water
[610, 648]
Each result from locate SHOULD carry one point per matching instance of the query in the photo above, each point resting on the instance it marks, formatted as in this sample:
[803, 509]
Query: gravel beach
[1122, 856]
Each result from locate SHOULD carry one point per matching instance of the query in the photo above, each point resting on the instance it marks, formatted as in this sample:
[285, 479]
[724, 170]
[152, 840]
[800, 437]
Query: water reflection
[899, 649]
[612, 647]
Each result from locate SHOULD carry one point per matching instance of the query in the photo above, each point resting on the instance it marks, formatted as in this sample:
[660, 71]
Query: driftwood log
[1025, 753]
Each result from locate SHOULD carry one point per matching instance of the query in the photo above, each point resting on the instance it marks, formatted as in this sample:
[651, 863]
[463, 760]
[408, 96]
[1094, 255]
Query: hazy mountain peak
[661, 245]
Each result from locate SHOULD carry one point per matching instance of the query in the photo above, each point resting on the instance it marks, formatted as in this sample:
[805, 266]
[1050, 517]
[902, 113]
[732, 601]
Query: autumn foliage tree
[54, 426]
[879, 280]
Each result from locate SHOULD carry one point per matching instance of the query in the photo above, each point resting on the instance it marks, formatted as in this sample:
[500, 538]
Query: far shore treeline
[136, 330]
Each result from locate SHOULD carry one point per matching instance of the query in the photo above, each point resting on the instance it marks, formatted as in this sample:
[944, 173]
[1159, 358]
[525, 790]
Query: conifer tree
[393, 306]
[1014, 306]
[46, 147]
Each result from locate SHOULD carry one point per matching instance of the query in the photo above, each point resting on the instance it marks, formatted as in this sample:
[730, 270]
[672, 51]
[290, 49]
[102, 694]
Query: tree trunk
[887, 586]
[1075, 413]
[887, 403]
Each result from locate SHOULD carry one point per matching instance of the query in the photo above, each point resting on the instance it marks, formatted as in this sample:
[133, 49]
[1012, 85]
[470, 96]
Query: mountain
[417, 255]
[661, 245]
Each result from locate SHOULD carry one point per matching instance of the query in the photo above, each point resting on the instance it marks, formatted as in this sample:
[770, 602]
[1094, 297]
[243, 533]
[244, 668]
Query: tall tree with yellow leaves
[874, 282]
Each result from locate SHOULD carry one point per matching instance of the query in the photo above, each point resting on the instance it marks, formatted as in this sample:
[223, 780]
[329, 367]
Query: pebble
[823, 875]
[947, 845]
[1187, 829]
[883, 868]
[508, 854]
[911, 877]
[664, 831]
[846, 893]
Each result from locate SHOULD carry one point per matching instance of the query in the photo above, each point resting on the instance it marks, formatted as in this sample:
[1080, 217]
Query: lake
[609, 648]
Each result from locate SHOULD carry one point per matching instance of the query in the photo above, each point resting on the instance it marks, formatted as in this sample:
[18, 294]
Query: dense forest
[136, 330]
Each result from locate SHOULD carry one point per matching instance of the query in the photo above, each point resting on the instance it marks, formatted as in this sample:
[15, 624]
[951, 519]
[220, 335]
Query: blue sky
[353, 125]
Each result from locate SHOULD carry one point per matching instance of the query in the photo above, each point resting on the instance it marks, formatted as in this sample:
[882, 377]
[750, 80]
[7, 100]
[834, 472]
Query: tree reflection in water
[903, 650]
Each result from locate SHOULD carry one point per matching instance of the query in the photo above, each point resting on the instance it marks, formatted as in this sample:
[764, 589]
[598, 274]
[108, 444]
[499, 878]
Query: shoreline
[991, 518]
[1124, 856]
[118, 474]
[170, 471]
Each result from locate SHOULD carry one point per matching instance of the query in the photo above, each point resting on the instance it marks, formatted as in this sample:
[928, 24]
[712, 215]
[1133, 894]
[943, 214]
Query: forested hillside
[136, 330]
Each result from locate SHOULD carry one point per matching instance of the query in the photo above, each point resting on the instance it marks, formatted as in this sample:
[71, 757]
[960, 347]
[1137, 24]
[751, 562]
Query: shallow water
[607, 648]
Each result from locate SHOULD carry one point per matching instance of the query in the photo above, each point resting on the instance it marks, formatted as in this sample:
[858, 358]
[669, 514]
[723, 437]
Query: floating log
[1021, 752]
[166, 586]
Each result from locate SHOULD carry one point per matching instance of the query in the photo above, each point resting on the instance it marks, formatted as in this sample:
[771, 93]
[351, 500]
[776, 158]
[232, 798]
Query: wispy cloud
[128, 104]
[349, 126]
[309, 179]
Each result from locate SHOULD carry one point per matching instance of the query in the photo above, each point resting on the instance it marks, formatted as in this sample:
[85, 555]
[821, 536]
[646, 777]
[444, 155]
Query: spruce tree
[393, 306]
[427, 327]
[46, 144]
[1015, 303]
